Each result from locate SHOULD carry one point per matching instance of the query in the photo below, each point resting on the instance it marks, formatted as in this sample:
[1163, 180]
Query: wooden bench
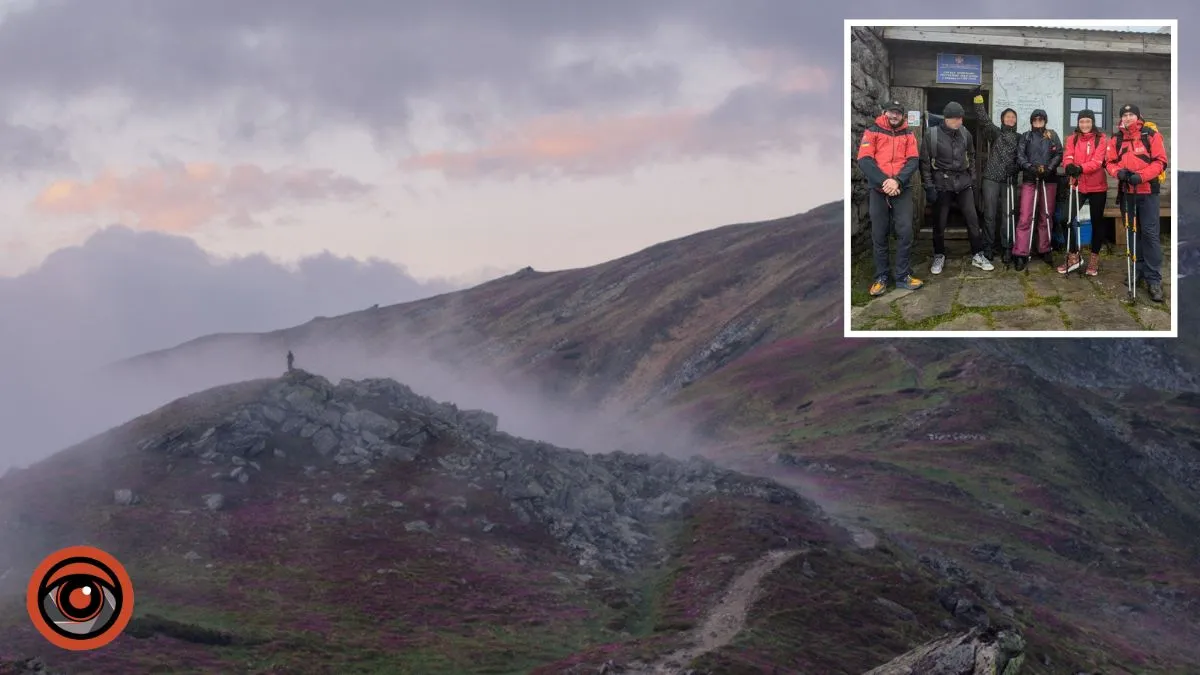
[1114, 212]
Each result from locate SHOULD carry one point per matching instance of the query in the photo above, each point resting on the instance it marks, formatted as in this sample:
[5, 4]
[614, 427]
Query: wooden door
[913, 98]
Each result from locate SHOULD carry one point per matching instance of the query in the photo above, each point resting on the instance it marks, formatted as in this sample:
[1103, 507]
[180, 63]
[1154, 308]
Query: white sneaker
[981, 261]
[939, 261]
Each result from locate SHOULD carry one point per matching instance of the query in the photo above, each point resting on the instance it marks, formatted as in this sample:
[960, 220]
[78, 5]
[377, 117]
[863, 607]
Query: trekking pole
[1033, 217]
[1047, 216]
[1011, 224]
[1135, 243]
[1074, 200]
[1129, 263]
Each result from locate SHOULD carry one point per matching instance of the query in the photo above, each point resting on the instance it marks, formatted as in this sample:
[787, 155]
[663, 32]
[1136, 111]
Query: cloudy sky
[409, 146]
[458, 138]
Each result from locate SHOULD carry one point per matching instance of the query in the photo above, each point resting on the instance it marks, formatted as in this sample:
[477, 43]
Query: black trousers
[1149, 242]
[995, 216]
[1104, 231]
[892, 214]
[964, 201]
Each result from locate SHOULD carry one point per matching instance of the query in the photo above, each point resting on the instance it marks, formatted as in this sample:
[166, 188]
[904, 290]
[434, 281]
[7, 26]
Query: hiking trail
[724, 621]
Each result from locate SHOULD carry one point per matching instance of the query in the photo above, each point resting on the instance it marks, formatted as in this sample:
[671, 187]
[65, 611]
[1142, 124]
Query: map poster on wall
[1026, 86]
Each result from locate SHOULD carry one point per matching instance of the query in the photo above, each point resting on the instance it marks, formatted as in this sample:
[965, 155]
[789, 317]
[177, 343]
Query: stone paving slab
[1155, 319]
[1038, 298]
[1004, 291]
[970, 321]
[1045, 317]
[1100, 314]
[933, 300]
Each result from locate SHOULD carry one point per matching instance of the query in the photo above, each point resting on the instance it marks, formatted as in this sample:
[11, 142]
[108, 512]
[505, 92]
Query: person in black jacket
[998, 177]
[1039, 153]
[948, 173]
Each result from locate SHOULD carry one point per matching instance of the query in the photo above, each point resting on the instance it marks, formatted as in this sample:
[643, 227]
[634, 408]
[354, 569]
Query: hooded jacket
[1002, 159]
[952, 166]
[1088, 151]
[1145, 162]
[1039, 147]
[886, 153]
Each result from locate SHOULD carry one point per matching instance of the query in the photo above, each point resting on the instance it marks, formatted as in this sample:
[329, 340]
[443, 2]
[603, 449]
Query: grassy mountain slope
[420, 540]
[1053, 483]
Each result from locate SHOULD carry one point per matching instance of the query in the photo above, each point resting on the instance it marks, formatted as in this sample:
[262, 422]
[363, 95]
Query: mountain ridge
[958, 463]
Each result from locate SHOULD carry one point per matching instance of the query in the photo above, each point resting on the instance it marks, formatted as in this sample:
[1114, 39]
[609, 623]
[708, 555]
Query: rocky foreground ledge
[600, 506]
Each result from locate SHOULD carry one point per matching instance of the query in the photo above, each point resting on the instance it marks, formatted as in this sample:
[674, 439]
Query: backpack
[931, 135]
[1148, 131]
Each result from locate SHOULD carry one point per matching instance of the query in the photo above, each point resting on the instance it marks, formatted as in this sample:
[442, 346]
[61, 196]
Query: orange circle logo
[80, 598]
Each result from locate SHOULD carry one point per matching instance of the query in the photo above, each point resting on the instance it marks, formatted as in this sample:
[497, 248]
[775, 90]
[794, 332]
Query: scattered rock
[33, 666]
[603, 507]
[125, 497]
[325, 441]
[214, 501]
[417, 526]
[977, 652]
[902, 612]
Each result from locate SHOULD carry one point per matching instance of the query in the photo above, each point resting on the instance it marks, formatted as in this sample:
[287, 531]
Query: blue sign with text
[959, 69]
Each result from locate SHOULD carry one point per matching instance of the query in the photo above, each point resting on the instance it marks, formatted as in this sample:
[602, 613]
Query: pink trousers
[1034, 202]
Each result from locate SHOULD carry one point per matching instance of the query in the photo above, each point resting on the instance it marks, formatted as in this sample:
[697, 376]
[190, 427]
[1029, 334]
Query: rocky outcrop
[870, 72]
[977, 652]
[34, 666]
[1098, 364]
[602, 507]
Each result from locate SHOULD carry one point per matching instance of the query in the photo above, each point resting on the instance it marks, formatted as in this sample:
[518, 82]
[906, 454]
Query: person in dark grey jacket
[998, 176]
[948, 173]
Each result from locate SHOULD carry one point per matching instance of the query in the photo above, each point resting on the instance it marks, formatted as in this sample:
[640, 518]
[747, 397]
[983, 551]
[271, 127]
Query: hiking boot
[878, 287]
[981, 261]
[1006, 257]
[1072, 264]
[939, 263]
[1093, 267]
[1048, 258]
[1020, 262]
[910, 283]
[1156, 292]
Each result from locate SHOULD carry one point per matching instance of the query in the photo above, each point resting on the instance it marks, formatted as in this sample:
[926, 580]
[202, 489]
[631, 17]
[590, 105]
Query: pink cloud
[575, 143]
[184, 197]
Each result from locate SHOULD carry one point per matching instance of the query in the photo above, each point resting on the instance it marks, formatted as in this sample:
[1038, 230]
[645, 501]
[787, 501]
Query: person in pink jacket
[1084, 163]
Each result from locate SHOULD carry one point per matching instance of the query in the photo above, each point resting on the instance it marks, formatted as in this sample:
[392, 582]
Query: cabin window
[1098, 101]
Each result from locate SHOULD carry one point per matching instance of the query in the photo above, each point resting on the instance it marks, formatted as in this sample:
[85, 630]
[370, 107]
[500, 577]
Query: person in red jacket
[1084, 162]
[887, 156]
[1136, 165]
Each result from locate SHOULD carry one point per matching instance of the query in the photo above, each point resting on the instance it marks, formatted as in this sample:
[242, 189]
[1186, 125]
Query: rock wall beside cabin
[870, 72]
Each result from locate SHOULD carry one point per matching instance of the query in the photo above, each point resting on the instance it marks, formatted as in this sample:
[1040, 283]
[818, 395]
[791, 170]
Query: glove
[1041, 169]
[1074, 170]
[978, 95]
[930, 195]
[1031, 174]
[1124, 174]
[1134, 179]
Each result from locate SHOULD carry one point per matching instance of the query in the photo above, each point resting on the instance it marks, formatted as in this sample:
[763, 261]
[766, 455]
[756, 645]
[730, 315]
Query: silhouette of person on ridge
[290, 359]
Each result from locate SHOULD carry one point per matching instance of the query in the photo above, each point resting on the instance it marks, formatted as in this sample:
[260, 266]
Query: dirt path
[725, 620]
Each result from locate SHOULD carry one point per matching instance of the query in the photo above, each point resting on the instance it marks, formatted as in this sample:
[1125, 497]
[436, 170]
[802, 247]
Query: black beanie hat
[1131, 108]
[1086, 114]
[953, 109]
[1038, 113]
